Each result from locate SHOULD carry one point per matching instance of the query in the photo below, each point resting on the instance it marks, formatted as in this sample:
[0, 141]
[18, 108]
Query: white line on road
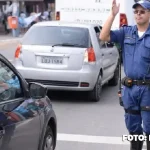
[91, 139]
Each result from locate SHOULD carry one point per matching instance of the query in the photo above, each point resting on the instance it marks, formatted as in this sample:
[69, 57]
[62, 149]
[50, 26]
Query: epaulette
[124, 25]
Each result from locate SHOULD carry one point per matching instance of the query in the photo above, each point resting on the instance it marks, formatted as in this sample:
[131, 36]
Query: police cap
[144, 3]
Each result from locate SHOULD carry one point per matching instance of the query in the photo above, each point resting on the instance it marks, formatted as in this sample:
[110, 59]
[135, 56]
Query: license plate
[52, 60]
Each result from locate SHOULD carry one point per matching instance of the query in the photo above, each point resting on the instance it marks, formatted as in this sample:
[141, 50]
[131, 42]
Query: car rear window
[51, 35]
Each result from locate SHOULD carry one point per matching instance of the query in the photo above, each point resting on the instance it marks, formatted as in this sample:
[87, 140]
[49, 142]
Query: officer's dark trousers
[133, 98]
[137, 99]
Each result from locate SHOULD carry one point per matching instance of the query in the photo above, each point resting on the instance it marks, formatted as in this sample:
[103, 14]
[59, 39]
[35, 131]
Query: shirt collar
[148, 30]
[136, 31]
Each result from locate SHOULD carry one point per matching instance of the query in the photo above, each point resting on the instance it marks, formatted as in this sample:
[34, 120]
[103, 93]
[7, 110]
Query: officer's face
[142, 15]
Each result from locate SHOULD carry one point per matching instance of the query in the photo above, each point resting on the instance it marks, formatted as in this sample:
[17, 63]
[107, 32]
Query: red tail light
[123, 20]
[18, 51]
[57, 15]
[89, 55]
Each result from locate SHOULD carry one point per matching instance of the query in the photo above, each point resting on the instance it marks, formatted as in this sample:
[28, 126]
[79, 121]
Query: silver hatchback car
[67, 56]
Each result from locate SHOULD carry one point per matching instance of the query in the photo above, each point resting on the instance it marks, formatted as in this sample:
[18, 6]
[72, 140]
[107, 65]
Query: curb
[9, 41]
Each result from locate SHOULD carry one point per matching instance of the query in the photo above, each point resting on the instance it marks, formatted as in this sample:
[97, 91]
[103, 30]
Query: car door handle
[110, 53]
[102, 54]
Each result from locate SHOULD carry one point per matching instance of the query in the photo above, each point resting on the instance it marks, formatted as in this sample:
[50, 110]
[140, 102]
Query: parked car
[67, 56]
[27, 119]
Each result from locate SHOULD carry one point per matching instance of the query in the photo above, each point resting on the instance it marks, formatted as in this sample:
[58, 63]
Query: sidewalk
[9, 38]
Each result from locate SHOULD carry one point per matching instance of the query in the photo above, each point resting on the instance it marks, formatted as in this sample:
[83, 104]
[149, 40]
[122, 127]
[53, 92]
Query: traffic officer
[135, 45]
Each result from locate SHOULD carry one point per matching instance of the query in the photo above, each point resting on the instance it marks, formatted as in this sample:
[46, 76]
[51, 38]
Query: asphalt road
[83, 125]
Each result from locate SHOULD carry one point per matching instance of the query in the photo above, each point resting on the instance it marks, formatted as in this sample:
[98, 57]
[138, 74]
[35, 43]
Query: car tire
[95, 94]
[115, 79]
[48, 143]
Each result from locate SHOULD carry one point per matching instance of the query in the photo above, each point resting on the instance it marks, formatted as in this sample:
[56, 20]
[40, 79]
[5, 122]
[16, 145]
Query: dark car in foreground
[27, 119]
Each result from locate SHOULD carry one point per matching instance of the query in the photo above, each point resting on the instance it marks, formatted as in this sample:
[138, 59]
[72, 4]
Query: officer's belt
[141, 82]
[126, 81]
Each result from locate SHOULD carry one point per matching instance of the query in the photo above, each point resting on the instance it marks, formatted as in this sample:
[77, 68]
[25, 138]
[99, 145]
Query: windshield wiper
[68, 44]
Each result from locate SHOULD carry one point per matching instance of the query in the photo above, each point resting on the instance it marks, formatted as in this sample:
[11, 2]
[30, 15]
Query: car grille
[55, 83]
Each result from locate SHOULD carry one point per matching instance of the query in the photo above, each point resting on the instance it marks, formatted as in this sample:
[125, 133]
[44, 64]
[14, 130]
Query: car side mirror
[110, 44]
[37, 91]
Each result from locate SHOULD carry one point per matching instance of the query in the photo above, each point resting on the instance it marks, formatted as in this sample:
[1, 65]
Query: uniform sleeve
[117, 36]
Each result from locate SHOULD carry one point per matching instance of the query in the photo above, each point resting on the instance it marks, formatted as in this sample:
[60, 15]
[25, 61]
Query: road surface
[84, 125]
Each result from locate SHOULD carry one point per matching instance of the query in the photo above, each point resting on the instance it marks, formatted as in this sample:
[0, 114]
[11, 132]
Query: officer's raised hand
[105, 33]
[115, 8]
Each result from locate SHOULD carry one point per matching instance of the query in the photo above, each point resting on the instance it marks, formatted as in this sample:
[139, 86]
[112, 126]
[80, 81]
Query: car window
[10, 87]
[51, 35]
[101, 43]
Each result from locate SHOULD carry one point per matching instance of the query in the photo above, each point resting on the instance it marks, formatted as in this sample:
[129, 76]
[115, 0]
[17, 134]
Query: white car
[67, 56]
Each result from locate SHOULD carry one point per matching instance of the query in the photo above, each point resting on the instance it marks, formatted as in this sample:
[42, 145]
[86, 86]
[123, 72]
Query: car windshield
[57, 35]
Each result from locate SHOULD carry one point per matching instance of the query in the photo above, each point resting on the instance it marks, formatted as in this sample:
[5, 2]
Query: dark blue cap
[144, 3]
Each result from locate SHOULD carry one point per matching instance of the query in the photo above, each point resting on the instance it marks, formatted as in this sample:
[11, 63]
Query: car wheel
[114, 80]
[95, 94]
[48, 143]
